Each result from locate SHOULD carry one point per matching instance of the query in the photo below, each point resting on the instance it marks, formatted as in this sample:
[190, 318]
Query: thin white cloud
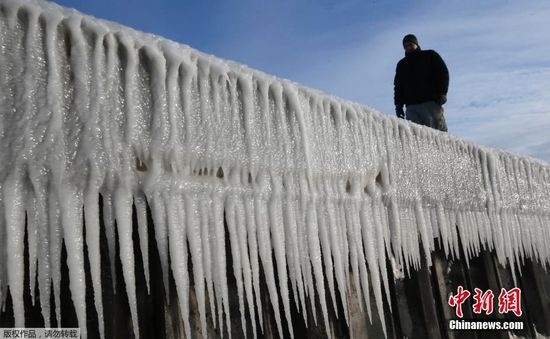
[498, 56]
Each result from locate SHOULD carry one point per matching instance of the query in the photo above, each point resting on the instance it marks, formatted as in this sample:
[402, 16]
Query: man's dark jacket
[420, 76]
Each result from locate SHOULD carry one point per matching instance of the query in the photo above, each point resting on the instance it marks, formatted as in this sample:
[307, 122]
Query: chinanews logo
[509, 305]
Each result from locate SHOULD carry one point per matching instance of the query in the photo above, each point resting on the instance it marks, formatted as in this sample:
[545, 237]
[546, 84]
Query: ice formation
[322, 185]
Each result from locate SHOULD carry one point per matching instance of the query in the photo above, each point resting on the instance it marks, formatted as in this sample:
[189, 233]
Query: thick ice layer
[311, 186]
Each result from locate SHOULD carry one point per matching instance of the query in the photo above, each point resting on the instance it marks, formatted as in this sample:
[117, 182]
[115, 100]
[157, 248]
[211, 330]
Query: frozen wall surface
[311, 186]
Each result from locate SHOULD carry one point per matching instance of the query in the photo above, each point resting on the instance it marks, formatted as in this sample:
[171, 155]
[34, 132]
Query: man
[421, 83]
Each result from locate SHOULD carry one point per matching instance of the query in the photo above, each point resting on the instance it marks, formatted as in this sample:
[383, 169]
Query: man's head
[410, 43]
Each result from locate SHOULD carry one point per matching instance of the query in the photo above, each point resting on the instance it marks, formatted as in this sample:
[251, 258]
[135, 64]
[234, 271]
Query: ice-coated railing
[88, 107]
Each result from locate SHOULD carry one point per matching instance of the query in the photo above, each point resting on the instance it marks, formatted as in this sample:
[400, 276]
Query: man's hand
[400, 112]
[442, 99]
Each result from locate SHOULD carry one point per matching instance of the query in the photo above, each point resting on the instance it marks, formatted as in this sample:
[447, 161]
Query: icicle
[369, 241]
[463, 238]
[28, 111]
[382, 241]
[292, 239]
[216, 275]
[91, 217]
[306, 262]
[192, 222]
[91, 195]
[432, 225]
[141, 211]
[178, 256]
[15, 227]
[71, 219]
[452, 221]
[230, 216]
[205, 206]
[54, 221]
[395, 231]
[424, 233]
[336, 244]
[344, 245]
[219, 259]
[265, 246]
[109, 222]
[251, 227]
[326, 250]
[278, 243]
[123, 212]
[245, 260]
[315, 254]
[44, 270]
[32, 236]
[161, 237]
[356, 249]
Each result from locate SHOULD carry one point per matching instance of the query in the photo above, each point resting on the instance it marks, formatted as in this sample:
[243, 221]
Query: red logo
[484, 301]
[458, 300]
[508, 301]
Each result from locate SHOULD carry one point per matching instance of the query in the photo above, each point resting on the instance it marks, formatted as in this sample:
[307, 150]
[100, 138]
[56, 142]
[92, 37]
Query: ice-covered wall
[323, 185]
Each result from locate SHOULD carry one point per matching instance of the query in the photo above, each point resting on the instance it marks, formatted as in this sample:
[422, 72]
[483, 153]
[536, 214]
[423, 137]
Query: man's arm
[442, 76]
[398, 86]
[398, 92]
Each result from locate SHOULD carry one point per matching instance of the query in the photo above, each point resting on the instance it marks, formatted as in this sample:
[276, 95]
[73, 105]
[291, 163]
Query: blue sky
[498, 51]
